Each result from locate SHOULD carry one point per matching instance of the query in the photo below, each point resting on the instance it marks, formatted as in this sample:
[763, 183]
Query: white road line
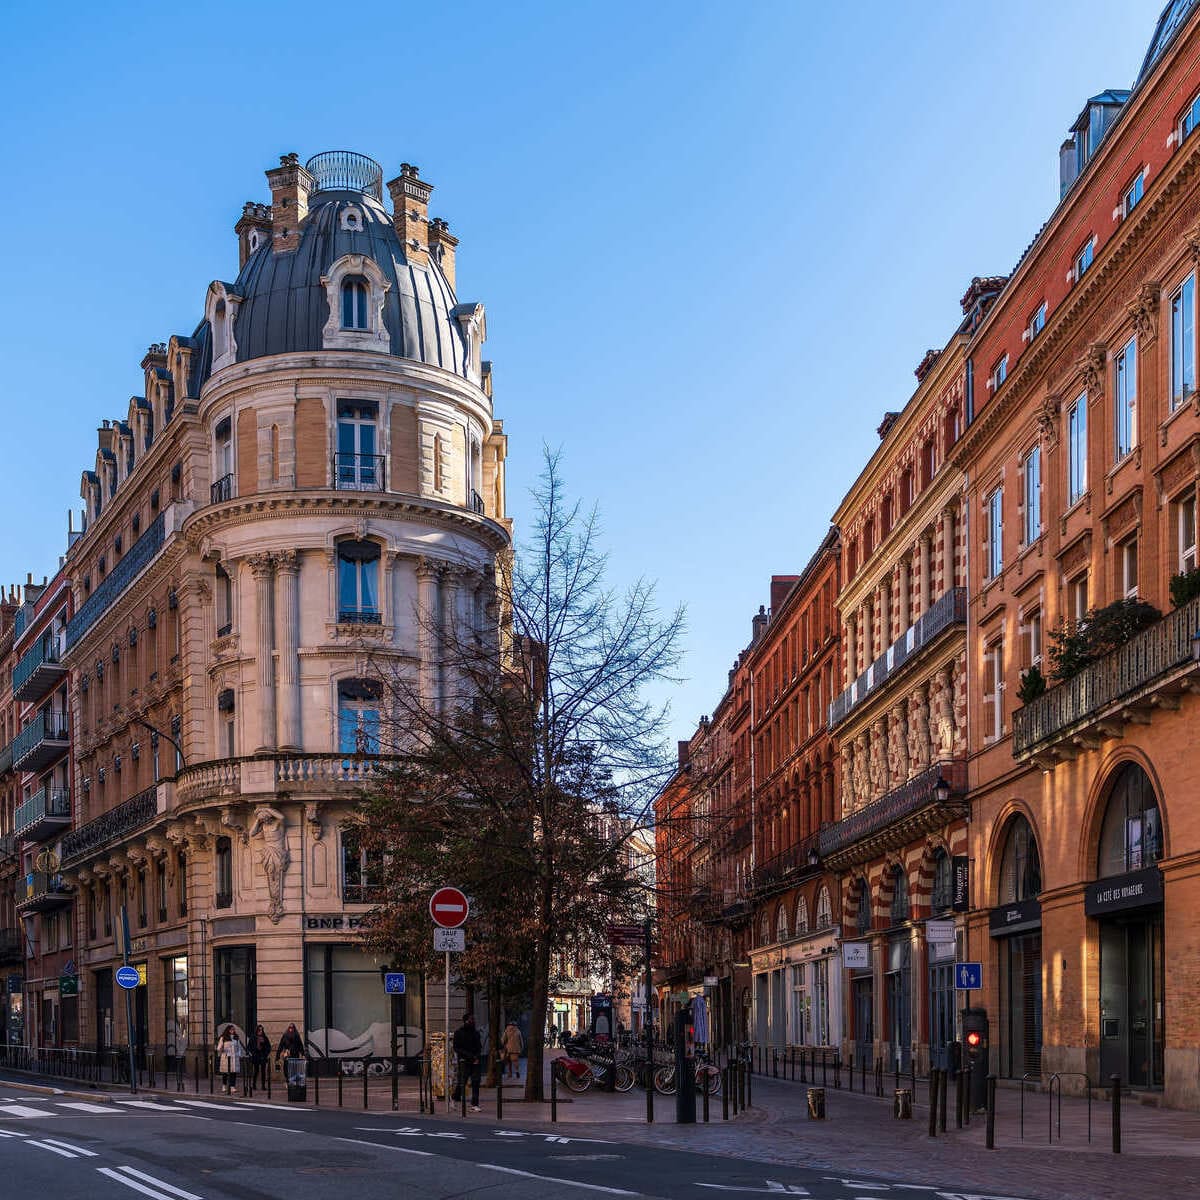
[5, 1133]
[70, 1146]
[22, 1110]
[158, 1183]
[83, 1106]
[141, 1187]
[276, 1107]
[591, 1187]
[148, 1104]
[382, 1146]
[52, 1149]
[260, 1125]
[210, 1104]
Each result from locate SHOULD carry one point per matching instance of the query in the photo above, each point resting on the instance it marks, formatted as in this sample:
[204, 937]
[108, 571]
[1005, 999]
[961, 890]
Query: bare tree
[525, 780]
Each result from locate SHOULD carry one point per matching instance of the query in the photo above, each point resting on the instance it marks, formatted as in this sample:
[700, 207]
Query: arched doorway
[1016, 922]
[1127, 901]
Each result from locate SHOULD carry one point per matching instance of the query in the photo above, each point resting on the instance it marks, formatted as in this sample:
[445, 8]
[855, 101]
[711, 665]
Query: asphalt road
[166, 1149]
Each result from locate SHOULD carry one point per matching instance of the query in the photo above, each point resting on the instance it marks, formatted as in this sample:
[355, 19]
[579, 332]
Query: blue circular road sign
[128, 977]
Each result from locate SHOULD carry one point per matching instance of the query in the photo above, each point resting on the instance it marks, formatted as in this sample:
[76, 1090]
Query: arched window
[781, 924]
[764, 933]
[1020, 868]
[354, 302]
[801, 915]
[863, 921]
[943, 882]
[358, 583]
[899, 896]
[824, 909]
[1131, 836]
[358, 716]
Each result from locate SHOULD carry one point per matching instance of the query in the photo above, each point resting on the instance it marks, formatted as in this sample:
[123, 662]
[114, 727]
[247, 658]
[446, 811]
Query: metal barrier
[1056, 1082]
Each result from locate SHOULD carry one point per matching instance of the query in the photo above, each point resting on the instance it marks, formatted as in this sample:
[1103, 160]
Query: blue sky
[713, 240]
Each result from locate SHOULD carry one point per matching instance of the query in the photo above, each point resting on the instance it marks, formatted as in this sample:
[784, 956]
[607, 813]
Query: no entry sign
[448, 907]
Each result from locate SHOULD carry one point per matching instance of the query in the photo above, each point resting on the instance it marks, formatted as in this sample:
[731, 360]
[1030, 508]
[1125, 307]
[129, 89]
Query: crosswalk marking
[210, 1104]
[53, 1149]
[159, 1191]
[70, 1146]
[149, 1104]
[83, 1106]
[158, 1183]
[23, 1110]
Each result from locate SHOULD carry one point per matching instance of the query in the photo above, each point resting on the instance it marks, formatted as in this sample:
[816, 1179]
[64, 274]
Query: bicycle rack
[1056, 1080]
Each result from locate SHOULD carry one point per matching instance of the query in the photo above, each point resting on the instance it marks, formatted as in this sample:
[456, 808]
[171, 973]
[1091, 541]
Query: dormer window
[220, 309]
[351, 219]
[354, 303]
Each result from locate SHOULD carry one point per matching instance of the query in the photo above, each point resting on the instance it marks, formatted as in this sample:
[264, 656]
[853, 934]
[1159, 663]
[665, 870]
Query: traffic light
[975, 1053]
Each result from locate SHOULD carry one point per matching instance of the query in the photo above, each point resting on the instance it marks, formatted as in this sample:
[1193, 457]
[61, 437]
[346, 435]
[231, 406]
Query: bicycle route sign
[128, 977]
[393, 983]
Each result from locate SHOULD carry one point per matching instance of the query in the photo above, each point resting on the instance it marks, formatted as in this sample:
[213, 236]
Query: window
[354, 303]
[899, 910]
[91, 912]
[863, 920]
[1183, 342]
[1188, 119]
[1133, 193]
[162, 891]
[1033, 495]
[1020, 868]
[1078, 597]
[361, 870]
[1129, 568]
[1125, 399]
[358, 716]
[224, 599]
[999, 372]
[1077, 448]
[1083, 260]
[1185, 525]
[824, 909]
[358, 466]
[1131, 835]
[1037, 321]
[801, 916]
[993, 686]
[224, 873]
[358, 583]
[781, 924]
[222, 488]
[943, 883]
[181, 884]
[1031, 638]
[226, 705]
[141, 898]
[995, 533]
[106, 898]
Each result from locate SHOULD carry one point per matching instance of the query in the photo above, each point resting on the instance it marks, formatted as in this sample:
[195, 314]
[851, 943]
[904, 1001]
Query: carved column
[451, 629]
[263, 567]
[948, 549]
[852, 647]
[885, 615]
[926, 570]
[287, 568]
[868, 631]
[427, 638]
[905, 583]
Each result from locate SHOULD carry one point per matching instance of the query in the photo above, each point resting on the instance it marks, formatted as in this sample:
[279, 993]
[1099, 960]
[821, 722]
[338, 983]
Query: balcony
[43, 815]
[141, 554]
[38, 670]
[8, 847]
[268, 774]
[1145, 674]
[359, 616]
[222, 490]
[40, 891]
[358, 472]
[12, 949]
[476, 503]
[42, 742]
[112, 826]
[789, 866]
[948, 610]
[6, 759]
[903, 815]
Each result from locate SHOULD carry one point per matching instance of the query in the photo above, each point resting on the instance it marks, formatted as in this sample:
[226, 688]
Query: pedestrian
[512, 1044]
[468, 1049]
[290, 1045]
[230, 1053]
[260, 1057]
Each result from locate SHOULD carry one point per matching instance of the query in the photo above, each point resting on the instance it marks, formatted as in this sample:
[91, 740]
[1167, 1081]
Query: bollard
[959, 1094]
[991, 1112]
[912, 1075]
[500, 1096]
[933, 1095]
[340, 1076]
[967, 1099]
[837, 1072]
[816, 1104]
[749, 1098]
[734, 1084]
[942, 1101]
[803, 1067]
[902, 1105]
[704, 1097]
[196, 1063]
[897, 1083]
[793, 1064]
[554, 1093]
[725, 1094]
[852, 1072]
[863, 1065]
[824, 1069]
[365, 1077]
[774, 1063]
[1116, 1114]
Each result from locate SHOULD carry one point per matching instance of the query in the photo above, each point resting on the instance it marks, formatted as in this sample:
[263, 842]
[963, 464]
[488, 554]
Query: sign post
[124, 975]
[448, 908]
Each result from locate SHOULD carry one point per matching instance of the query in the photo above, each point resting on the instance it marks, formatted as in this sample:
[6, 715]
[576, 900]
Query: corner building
[310, 490]
[1082, 464]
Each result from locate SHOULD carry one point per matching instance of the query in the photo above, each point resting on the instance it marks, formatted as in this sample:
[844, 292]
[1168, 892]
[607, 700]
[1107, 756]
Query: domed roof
[284, 305]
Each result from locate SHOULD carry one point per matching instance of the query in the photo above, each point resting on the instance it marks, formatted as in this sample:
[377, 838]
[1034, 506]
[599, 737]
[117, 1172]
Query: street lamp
[814, 859]
[155, 734]
[941, 789]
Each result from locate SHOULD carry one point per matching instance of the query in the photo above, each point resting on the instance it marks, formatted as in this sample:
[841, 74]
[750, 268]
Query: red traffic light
[973, 1039]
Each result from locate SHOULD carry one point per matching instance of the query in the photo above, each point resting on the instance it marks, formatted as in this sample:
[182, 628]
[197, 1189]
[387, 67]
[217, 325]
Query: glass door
[941, 1014]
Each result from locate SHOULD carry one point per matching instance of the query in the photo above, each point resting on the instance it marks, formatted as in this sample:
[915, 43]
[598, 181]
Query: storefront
[857, 962]
[1016, 929]
[815, 1017]
[943, 999]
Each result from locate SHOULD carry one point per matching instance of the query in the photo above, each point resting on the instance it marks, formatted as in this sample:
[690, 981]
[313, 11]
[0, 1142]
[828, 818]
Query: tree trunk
[494, 1027]
[537, 1020]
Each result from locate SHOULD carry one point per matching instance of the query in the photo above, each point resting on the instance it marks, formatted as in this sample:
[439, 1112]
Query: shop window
[1131, 835]
[1020, 866]
[899, 910]
[347, 1012]
[223, 870]
[235, 988]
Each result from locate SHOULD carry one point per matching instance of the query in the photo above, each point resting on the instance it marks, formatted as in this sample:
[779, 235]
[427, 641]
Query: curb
[42, 1090]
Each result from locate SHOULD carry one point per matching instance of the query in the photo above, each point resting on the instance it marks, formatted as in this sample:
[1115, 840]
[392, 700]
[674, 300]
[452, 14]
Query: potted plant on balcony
[1032, 685]
[1184, 587]
[1075, 645]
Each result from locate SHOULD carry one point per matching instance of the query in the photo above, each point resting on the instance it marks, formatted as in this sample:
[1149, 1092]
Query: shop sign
[856, 955]
[710, 981]
[333, 922]
[68, 985]
[814, 947]
[1138, 889]
[961, 896]
[939, 933]
[1017, 917]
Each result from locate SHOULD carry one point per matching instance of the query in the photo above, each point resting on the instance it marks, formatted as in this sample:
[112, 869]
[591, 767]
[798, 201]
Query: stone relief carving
[1047, 421]
[231, 819]
[920, 725]
[960, 707]
[848, 776]
[1144, 311]
[312, 818]
[879, 776]
[897, 747]
[1091, 367]
[860, 768]
[944, 714]
[271, 826]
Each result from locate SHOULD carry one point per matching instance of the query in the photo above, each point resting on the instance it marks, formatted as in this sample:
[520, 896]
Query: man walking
[468, 1049]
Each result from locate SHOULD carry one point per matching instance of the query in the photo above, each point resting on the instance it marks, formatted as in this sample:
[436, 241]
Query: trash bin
[816, 1104]
[296, 1072]
[902, 1105]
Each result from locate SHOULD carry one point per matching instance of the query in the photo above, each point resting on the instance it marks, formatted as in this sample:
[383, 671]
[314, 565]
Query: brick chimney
[290, 187]
[253, 228]
[410, 212]
[441, 246]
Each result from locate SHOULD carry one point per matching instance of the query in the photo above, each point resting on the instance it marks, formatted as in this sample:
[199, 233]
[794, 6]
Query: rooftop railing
[346, 171]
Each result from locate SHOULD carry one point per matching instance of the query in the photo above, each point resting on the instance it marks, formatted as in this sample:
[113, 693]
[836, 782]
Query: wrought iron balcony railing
[894, 817]
[795, 860]
[950, 608]
[359, 616]
[38, 669]
[41, 890]
[358, 472]
[346, 171]
[476, 502]
[140, 555]
[222, 490]
[112, 826]
[1146, 660]
[43, 814]
[41, 742]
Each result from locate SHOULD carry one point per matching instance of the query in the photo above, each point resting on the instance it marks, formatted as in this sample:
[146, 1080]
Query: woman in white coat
[230, 1053]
